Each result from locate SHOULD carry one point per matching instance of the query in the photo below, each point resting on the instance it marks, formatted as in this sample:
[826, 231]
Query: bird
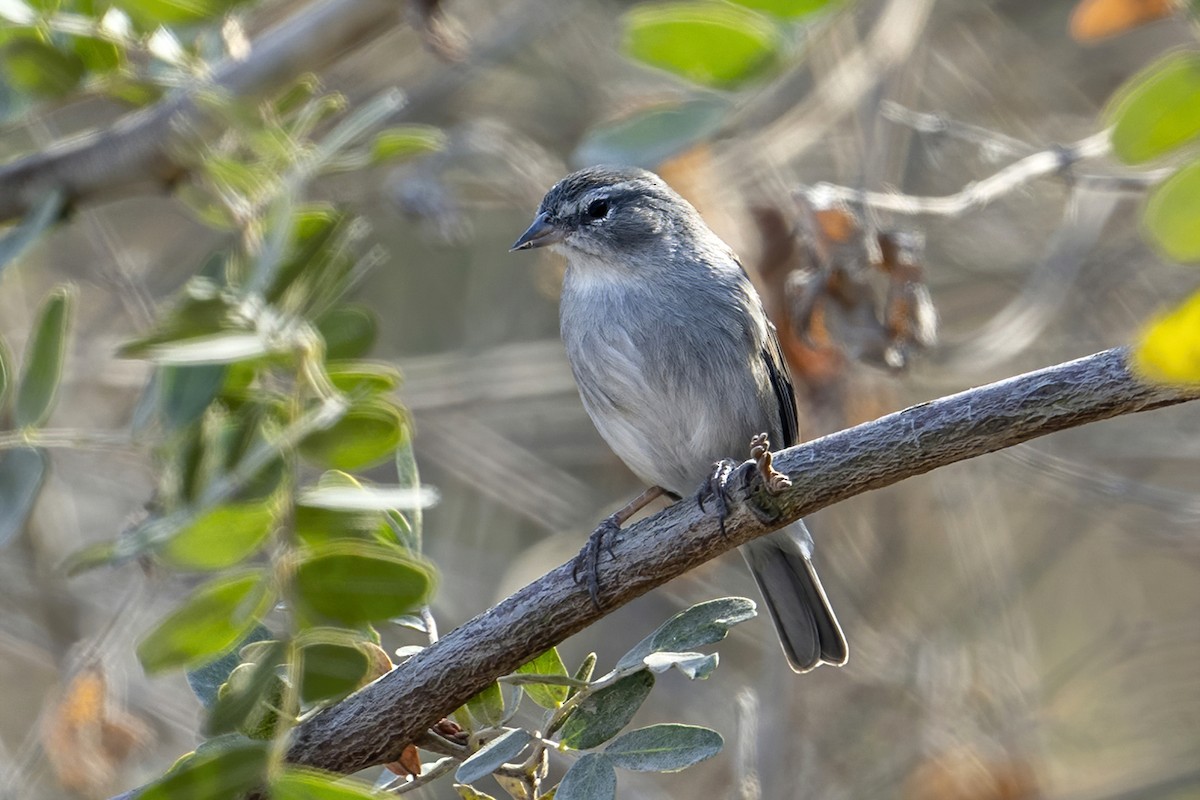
[679, 368]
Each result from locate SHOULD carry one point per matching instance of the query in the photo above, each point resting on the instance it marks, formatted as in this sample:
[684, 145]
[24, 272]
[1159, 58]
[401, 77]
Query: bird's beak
[541, 233]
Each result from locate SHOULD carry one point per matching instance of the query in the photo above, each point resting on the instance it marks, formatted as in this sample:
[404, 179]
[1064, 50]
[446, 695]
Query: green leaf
[406, 141]
[225, 347]
[35, 67]
[703, 623]
[224, 771]
[366, 435]
[44, 360]
[206, 681]
[586, 668]
[664, 748]
[210, 622]
[298, 783]
[150, 14]
[487, 707]
[1172, 216]
[22, 473]
[184, 392]
[362, 378]
[1157, 110]
[546, 695]
[696, 666]
[201, 314]
[222, 537]
[788, 9]
[349, 331]
[487, 759]
[471, 793]
[332, 668]
[592, 777]
[355, 582]
[98, 55]
[651, 136]
[707, 43]
[40, 217]
[602, 715]
[251, 686]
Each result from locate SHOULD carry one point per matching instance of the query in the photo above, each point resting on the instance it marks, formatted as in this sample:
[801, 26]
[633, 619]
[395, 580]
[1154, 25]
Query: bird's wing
[785, 393]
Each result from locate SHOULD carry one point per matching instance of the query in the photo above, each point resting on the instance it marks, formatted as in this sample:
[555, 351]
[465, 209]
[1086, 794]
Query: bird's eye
[598, 209]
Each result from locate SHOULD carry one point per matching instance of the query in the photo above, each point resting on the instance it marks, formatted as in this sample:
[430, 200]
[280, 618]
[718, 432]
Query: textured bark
[135, 152]
[373, 725]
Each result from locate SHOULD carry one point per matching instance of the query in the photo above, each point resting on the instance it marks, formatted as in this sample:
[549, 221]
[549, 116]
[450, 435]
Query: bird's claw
[716, 488]
[773, 480]
[588, 560]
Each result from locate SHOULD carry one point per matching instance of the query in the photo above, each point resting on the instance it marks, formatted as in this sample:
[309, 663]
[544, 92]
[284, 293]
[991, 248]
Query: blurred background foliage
[220, 369]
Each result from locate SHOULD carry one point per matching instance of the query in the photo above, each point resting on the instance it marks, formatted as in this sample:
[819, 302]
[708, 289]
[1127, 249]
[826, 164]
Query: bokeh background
[1023, 625]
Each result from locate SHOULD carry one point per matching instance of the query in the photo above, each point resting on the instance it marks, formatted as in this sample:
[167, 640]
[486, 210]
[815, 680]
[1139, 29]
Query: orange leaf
[1093, 20]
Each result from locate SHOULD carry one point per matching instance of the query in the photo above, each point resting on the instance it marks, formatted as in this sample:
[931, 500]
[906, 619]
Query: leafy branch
[374, 725]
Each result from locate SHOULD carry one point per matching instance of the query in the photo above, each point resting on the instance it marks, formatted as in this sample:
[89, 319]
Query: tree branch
[136, 150]
[373, 725]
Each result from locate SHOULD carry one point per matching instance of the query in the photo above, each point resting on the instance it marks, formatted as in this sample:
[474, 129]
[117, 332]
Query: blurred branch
[974, 195]
[135, 152]
[374, 725]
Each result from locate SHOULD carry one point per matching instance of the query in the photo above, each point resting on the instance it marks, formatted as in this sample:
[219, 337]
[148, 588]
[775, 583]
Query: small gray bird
[679, 369]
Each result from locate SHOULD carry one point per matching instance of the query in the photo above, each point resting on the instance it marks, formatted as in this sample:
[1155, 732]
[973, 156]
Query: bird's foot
[587, 563]
[716, 489]
[773, 480]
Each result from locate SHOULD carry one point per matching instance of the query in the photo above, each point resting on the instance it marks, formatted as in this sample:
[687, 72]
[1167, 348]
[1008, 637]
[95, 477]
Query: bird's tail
[806, 624]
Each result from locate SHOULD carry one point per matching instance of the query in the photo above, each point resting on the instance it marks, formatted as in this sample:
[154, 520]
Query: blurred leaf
[35, 67]
[1157, 110]
[651, 136]
[487, 707]
[602, 715]
[202, 313]
[545, 695]
[219, 348]
[360, 378]
[98, 55]
[22, 472]
[592, 777]
[314, 256]
[150, 14]
[333, 668]
[296, 783]
[40, 217]
[487, 759]
[405, 141]
[184, 392]
[708, 43]
[6, 374]
[368, 498]
[1172, 217]
[222, 537]
[224, 771]
[206, 681]
[471, 793]
[703, 623]
[211, 620]
[349, 331]
[696, 666]
[355, 582]
[1092, 20]
[134, 92]
[317, 524]
[42, 367]
[248, 686]
[366, 435]
[1168, 350]
[664, 748]
[788, 9]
